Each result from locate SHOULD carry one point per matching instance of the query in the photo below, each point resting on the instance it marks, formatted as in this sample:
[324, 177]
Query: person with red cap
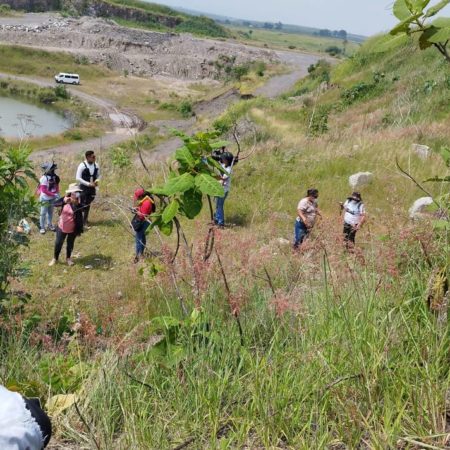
[144, 207]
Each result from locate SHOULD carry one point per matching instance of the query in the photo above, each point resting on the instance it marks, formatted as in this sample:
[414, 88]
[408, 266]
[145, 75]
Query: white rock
[283, 242]
[422, 151]
[360, 179]
[417, 209]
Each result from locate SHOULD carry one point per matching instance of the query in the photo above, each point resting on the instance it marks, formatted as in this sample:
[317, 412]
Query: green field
[291, 41]
[322, 349]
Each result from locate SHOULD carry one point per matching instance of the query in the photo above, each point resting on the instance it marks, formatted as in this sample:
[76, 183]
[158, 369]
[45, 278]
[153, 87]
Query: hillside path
[275, 86]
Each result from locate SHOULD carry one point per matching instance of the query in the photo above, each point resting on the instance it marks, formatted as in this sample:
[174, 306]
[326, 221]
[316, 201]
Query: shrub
[203, 26]
[120, 158]
[47, 96]
[62, 92]
[74, 135]
[185, 108]
[333, 50]
[357, 92]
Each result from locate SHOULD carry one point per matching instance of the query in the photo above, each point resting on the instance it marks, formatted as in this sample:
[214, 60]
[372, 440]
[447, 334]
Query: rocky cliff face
[34, 5]
[94, 8]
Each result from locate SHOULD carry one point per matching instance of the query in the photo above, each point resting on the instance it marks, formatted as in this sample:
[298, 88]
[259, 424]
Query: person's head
[356, 196]
[73, 191]
[49, 167]
[312, 194]
[227, 159]
[139, 194]
[90, 156]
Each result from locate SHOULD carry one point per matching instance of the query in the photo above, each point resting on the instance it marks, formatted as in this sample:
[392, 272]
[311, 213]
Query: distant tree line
[340, 34]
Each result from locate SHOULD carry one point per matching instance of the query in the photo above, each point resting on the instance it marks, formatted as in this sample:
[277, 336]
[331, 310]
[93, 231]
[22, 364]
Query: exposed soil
[139, 52]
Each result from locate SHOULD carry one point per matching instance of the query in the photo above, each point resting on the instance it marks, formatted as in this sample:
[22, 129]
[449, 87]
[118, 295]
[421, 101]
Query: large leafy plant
[416, 17]
[191, 178]
[16, 203]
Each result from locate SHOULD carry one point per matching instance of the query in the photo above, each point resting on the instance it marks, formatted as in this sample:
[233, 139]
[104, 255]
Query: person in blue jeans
[144, 207]
[307, 212]
[226, 162]
[48, 193]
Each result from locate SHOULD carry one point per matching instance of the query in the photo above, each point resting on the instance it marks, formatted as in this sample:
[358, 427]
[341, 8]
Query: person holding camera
[307, 212]
[226, 161]
[88, 176]
[48, 191]
[353, 219]
[70, 224]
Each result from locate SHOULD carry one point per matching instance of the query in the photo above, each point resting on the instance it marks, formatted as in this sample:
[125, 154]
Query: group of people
[75, 204]
[353, 210]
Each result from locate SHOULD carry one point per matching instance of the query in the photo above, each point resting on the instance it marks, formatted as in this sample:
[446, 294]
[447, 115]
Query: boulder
[360, 179]
[422, 151]
[418, 208]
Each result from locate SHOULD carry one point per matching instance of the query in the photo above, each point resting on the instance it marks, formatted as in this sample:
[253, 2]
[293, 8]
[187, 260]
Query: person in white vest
[23, 423]
[353, 218]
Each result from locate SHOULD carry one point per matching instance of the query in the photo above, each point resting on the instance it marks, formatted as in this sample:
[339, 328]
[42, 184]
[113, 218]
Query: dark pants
[60, 238]
[300, 233]
[87, 197]
[141, 239]
[349, 234]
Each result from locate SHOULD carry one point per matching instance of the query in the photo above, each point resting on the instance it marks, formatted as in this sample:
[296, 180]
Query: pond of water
[19, 119]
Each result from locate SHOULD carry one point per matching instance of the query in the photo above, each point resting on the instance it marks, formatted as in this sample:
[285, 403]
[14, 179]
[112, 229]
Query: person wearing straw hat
[70, 224]
[354, 217]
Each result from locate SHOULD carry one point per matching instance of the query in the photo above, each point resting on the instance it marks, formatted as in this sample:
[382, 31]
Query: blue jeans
[141, 239]
[300, 233]
[219, 216]
[46, 213]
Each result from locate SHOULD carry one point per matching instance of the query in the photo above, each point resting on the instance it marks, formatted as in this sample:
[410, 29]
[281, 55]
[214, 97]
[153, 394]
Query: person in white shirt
[23, 423]
[88, 176]
[353, 218]
[226, 161]
[48, 193]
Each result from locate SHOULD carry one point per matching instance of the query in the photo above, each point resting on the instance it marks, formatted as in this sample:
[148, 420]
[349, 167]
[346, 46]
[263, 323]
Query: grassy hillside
[291, 41]
[338, 350]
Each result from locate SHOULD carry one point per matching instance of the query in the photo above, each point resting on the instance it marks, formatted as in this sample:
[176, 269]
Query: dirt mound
[138, 52]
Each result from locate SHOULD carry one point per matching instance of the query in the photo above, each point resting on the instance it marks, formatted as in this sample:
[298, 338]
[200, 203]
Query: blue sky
[364, 17]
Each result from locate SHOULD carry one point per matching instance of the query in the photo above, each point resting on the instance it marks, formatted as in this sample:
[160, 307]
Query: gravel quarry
[138, 52]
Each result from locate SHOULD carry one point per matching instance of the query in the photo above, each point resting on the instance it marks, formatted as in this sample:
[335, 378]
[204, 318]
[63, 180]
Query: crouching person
[70, 224]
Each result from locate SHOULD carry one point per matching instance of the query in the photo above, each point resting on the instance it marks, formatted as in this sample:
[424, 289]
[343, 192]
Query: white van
[67, 78]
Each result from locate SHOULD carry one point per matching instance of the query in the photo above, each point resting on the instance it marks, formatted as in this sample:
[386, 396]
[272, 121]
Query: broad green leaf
[184, 157]
[441, 35]
[209, 185]
[179, 184]
[220, 144]
[441, 22]
[403, 26]
[192, 203]
[389, 43]
[401, 10]
[166, 228]
[170, 211]
[436, 8]
[158, 190]
[424, 39]
[216, 164]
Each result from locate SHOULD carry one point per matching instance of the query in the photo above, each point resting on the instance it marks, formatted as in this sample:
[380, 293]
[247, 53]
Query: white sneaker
[70, 262]
[52, 262]
[42, 231]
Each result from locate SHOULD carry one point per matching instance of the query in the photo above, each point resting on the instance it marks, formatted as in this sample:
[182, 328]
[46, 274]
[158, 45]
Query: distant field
[282, 40]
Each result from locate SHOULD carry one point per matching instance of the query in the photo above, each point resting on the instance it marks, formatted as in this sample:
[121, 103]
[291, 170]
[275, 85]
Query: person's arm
[362, 219]
[45, 191]
[78, 176]
[302, 217]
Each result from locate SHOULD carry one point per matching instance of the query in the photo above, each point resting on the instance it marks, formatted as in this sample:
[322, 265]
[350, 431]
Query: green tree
[16, 202]
[415, 16]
